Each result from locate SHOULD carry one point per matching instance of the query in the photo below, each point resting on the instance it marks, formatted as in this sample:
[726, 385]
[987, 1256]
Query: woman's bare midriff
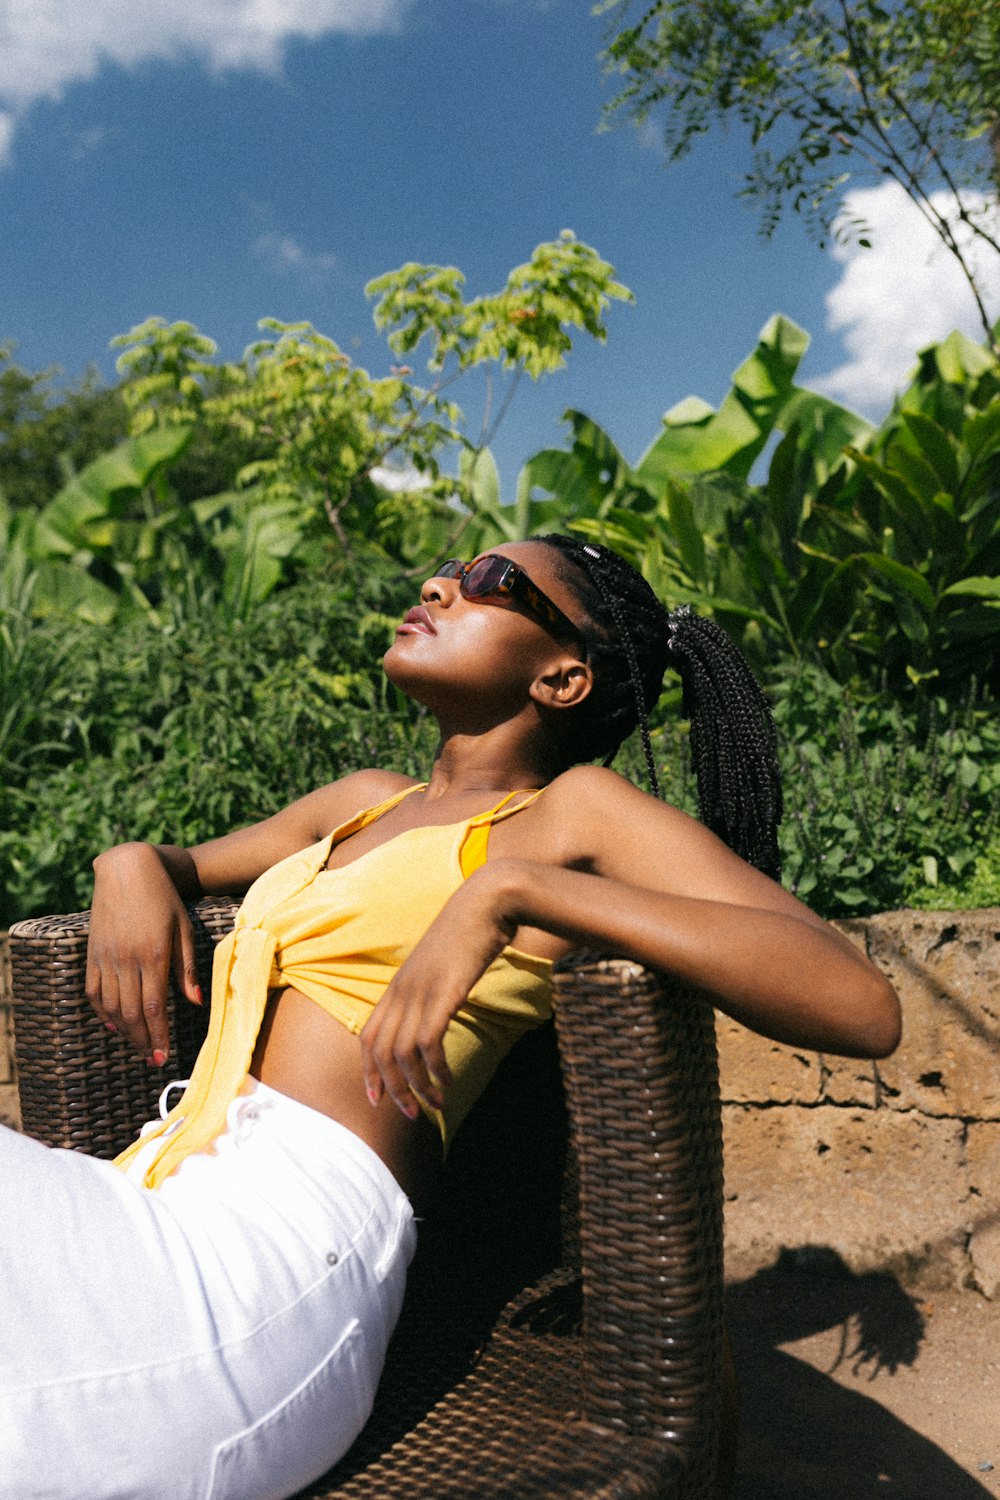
[311, 1057]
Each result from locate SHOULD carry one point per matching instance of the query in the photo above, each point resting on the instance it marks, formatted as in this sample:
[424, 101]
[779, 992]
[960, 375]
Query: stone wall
[896, 1164]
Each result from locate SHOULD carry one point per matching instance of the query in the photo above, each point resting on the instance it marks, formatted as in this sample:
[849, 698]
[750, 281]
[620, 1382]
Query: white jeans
[217, 1338]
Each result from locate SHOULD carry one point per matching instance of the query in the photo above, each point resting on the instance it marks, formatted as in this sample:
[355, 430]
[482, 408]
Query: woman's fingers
[153, 1024]
[185, 966]
[98, 992]
[383, 1073]
[132, 1000]
[403, 1055]
[139, 935]
[432, 1061]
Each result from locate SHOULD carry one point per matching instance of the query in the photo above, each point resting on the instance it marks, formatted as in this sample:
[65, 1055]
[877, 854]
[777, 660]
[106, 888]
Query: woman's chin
[402, 671]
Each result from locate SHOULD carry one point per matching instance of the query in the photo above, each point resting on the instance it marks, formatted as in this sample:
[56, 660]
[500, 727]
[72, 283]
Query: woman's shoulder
[598, 787]
[339, 800]
[593, 805]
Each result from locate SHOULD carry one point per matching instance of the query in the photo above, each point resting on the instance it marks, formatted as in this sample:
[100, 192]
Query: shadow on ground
[804, 1436]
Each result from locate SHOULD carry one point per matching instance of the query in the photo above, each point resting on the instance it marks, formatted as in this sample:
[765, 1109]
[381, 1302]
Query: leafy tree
[323, 429]
[905, 89]
[239, 476]
[876, 551]
[48, 433]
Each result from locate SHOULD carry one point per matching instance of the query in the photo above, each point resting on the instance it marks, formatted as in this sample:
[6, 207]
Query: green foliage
[698, 440]
[701, 534]
[181, 732]
[826, 90]
[977, 886]
[524, 327]
[239, 477]
[113, 538]
[36, 672]
[167, 370]
[886, 805]
[47, 433]
[883, 802]
[872, 550]
[316, 424]
[321, 430]
[927, 495]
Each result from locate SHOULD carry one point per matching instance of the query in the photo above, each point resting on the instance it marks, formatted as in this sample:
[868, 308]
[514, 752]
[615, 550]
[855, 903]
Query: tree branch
[902, 173]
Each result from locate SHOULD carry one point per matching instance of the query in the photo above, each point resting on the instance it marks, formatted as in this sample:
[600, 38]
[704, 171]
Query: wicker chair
[562, 1332]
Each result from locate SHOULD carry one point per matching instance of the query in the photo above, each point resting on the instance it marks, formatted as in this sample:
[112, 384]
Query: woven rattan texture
[647, 1124]
[503, 1379]
[80, 1085]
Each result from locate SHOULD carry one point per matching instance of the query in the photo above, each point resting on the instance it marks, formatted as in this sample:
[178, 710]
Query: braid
[733, 742]
[618, 615]
[631, 640]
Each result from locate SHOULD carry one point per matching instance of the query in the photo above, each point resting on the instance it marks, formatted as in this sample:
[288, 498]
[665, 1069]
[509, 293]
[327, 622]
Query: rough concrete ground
[853, 1388]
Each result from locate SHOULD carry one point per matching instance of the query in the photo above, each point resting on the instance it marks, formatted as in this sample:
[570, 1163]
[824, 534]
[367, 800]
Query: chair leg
[729, 1426]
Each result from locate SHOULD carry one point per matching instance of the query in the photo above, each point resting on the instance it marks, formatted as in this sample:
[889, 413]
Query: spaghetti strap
[367, 815]
[477, 834]
[501, 811]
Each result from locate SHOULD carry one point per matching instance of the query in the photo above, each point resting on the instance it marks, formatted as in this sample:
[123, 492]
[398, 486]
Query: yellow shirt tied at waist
[339, 936]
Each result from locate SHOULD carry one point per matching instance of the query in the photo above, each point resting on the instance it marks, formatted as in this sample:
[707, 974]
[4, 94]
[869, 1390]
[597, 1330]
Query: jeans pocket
[303, 1436]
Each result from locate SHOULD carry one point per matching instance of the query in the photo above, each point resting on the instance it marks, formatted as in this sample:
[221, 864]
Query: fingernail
[411, 1111]
[110, 1026]
[372, 1093]
[159, 1058]
[199, 998]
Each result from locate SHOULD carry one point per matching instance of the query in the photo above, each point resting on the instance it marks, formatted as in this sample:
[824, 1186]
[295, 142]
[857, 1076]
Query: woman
[257, 1238]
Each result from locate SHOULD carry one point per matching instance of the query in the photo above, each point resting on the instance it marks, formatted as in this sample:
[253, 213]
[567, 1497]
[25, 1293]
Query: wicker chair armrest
[81, 1086]
[640, 1068]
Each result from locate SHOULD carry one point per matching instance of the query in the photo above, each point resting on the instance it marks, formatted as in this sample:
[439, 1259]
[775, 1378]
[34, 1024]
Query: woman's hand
[402, 1041]
[139, 931]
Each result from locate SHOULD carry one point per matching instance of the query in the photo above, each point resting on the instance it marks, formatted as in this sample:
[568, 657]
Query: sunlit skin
[561, 874]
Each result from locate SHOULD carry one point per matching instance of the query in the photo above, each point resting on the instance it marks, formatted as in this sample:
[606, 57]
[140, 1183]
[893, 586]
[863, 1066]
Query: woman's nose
[437, 589]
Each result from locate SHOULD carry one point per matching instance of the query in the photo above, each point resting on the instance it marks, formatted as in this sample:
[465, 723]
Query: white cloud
[284, 253]
[400, 481]
[45, 45]
[903, 293]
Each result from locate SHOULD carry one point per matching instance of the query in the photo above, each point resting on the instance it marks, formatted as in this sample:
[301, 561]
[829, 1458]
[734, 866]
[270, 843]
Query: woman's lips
[416, 622]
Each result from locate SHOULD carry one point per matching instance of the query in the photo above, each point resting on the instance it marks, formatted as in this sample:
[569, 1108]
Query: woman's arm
[139, 929]
[776, 973]
[651, 884]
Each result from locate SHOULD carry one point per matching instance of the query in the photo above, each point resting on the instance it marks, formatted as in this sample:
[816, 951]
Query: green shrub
[180, 734]
[883, 801]
[886, 805]
[977, 888]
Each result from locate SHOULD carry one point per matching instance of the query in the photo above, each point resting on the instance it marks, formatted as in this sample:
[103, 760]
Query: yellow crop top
[339, 936]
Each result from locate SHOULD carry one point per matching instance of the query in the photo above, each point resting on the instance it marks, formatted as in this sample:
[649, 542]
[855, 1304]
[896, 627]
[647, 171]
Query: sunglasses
[497, 578]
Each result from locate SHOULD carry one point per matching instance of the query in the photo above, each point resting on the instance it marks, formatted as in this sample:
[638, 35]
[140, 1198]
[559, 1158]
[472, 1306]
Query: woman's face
[449, 648]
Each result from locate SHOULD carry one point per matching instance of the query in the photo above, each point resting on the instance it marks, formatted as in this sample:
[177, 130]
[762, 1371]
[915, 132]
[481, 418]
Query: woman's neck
[466, 764]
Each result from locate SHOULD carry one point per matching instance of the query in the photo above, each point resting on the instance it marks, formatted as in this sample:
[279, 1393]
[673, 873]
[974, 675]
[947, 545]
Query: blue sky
[219, 160]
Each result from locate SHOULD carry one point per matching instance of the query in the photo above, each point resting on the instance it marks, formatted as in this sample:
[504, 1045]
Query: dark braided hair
[631, 640]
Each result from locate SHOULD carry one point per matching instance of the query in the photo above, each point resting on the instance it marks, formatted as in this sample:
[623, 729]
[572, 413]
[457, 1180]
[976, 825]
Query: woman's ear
[563, 684]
